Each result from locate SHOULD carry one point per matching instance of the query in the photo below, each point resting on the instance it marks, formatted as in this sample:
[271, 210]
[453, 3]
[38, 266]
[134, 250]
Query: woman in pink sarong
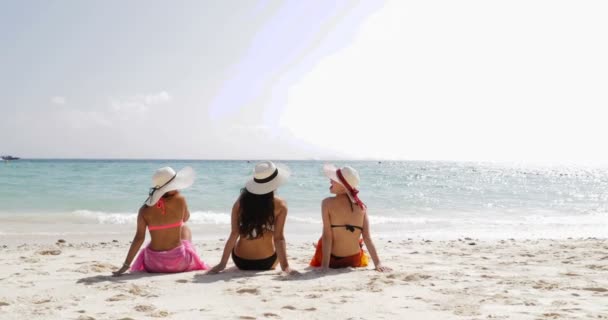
[164, 214]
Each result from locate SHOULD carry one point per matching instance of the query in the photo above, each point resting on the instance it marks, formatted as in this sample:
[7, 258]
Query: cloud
[158, 98]
[139, 103]
[58, 100]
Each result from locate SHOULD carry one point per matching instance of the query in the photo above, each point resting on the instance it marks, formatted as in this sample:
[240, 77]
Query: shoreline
[41, 232]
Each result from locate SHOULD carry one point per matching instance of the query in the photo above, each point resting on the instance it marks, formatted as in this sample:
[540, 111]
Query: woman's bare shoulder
[328, 201]
[280, 203]
[143, 209]
[179, 197]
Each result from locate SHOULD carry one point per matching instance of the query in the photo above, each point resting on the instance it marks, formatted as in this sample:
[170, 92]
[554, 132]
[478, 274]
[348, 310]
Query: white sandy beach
[458, 279]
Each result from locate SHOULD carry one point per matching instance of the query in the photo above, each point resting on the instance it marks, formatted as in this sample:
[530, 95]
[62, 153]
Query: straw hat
[349, 173]
[166, 179]
[267, 177]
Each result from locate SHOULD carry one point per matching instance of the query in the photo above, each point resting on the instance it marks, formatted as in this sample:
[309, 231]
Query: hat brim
[183, 179]
[331, 172]
[272, 185]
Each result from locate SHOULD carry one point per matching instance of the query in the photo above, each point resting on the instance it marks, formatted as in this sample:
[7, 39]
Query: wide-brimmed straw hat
[267, 177]
[166, 179]
[349, 173]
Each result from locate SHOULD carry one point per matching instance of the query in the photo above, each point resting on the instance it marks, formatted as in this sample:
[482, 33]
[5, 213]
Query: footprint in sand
[385, 280]
[30, 260]
[49, 252]
[144, 308]
[466, 310]
[101, 267]
[41, 301]
[271, 315]
[415, 277]
[543, 285]
[310, 309]
[85, 318]
[95, 267]
[181, 281]
[2, 304]
[597, 267]
[289, 307]
[596, 289]
[159, 314]
[247, 317]
[118, 297]
[313, 296]
[139, 291]
[254, 291]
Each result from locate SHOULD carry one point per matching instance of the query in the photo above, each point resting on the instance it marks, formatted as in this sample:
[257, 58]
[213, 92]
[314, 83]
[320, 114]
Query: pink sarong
[180, 259]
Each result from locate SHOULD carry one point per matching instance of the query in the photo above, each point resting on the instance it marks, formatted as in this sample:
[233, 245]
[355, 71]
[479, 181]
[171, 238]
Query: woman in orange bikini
[164, 214]
[256, 240]
[345, 221]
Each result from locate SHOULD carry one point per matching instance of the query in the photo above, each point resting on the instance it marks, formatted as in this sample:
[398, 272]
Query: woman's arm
[231, 242]
[367, 238]
[138, 240]
[186, 212]
[327, 238]
[279, 238]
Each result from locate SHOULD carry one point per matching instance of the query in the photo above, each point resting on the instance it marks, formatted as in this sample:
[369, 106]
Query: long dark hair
[256, 213]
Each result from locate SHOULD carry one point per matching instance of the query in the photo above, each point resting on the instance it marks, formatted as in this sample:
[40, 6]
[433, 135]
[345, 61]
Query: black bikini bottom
[254, 264]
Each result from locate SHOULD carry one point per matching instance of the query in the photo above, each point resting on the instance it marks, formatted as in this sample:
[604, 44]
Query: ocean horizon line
[476, 162]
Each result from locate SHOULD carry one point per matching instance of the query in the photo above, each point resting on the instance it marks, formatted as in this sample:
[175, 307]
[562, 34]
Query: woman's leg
[186, 233]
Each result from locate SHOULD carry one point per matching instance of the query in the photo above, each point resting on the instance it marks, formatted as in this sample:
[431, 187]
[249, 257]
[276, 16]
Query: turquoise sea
[407, 198]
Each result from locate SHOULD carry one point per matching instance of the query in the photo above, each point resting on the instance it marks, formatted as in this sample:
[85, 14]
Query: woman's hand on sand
[217, 269]
[321, 270]
[120, 271]
[381, 268]
[291, 272]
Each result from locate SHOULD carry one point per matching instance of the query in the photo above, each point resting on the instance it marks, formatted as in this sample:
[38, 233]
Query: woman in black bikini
[256, 240]
[345, 221]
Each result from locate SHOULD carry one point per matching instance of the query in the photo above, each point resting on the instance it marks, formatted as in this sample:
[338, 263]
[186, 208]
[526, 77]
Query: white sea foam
[306, 220]
[209, 217]
[494, 217]
[490, 223]
[100, 217]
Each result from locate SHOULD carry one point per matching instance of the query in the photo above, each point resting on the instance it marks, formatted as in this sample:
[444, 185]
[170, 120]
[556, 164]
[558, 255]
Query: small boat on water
[6, 158]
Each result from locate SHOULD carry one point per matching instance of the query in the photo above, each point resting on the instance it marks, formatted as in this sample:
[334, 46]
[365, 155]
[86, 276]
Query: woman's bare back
[175, 211]
[263, 246]
[347, 223]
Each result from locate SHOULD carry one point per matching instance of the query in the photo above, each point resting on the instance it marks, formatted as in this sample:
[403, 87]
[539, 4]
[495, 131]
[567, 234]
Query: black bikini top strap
[348, 227]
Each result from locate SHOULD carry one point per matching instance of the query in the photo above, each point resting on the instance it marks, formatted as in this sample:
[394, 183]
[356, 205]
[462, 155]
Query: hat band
[154, 189]
[353, 192]
[269, 178]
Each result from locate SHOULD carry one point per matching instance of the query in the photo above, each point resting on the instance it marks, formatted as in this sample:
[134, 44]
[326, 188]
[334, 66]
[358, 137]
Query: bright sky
[427, 80]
